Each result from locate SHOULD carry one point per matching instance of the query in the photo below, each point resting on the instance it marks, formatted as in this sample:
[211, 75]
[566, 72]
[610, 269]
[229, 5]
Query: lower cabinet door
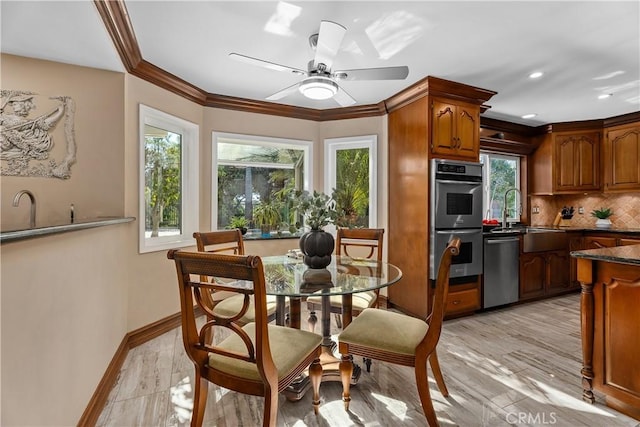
[559, 265]
[532, 275]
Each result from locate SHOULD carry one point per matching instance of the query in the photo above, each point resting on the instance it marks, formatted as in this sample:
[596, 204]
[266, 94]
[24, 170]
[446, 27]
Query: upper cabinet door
[443, 135]
[468, 127]
[577, 162]
[455, 130]
[622, 158]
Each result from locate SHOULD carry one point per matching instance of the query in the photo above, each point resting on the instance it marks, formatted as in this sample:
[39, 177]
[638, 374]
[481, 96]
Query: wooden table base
[329, 360]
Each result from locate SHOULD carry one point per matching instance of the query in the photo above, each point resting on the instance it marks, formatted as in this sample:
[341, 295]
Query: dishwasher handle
[498, 241]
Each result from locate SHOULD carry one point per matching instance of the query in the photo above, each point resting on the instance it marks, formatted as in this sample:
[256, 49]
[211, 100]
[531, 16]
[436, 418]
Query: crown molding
[435, 86]
[116, 20]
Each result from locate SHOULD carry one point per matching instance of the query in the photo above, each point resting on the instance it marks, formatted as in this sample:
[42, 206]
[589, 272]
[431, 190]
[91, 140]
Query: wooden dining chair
[257, 358]
[226, 303]
[401, 339]
[356, 243]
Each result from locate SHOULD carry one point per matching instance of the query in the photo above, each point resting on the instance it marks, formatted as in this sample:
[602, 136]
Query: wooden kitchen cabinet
[610, 334]
[455, 129]
[628, 241]
[598, 242]
[544, 274]
[576, 243]
[601, 240]
[622, 158]
[463, 299]
[576, 165]
[532, 275]
[411, 131]
[567, 162]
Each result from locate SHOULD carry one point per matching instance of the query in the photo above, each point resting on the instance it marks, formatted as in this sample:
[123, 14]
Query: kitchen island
[610, 318]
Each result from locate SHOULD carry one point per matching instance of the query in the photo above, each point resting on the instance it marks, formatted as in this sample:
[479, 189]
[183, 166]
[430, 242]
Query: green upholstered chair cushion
[393, 332]
[359, 302]
[232, 305]
[288, 346]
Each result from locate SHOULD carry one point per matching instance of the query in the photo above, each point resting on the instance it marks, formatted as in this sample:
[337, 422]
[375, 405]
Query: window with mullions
[168, 181]
[350, 177]
[252, 177]
[501, 172]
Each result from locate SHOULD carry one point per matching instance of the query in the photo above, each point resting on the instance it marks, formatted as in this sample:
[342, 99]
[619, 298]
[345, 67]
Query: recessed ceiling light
[529, 116]
[605, 95]
[536, 75]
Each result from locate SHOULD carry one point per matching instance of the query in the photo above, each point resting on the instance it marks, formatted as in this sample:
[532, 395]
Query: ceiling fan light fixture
[318, 88]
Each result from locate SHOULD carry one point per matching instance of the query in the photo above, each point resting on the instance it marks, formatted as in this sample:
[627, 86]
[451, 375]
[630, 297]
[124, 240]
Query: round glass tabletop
[287, 276]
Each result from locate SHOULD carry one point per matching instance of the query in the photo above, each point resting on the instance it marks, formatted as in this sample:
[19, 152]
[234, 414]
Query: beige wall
[97, 178]
[64, 298]
[68, 300]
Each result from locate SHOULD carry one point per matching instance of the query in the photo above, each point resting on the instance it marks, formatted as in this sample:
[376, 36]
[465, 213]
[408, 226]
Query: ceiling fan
[321, 82]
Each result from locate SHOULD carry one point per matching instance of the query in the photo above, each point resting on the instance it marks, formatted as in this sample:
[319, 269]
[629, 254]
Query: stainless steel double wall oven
[456, 211]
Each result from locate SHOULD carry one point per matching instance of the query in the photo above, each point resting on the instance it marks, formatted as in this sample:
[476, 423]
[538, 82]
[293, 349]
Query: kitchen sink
[541, 240]
[536, 239]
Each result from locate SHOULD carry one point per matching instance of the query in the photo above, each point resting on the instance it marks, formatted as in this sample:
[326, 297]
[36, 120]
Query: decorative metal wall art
[26, 140]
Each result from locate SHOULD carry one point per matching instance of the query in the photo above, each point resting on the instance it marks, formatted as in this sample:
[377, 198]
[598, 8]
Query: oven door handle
[452, 181]
[458, 231]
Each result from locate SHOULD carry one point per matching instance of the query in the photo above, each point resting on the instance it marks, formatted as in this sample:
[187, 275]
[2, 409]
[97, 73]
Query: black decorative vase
[317, 247]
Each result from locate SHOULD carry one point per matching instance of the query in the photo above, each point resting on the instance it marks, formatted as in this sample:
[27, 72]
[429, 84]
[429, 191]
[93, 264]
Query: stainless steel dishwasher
[501, 270]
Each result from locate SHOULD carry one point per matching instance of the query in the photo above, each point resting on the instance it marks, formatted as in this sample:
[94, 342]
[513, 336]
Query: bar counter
[610, 325]
[29, 233]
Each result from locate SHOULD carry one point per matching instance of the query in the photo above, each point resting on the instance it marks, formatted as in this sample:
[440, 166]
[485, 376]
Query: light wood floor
[514, 366]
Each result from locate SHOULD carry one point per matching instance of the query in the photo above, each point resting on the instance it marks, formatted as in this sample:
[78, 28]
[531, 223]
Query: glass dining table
[288, 277]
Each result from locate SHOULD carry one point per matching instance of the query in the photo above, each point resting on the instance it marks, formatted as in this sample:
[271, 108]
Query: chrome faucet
[16, 202]
[505, 212]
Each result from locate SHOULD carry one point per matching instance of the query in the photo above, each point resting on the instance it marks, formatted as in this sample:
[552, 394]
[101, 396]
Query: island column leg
[585, 276]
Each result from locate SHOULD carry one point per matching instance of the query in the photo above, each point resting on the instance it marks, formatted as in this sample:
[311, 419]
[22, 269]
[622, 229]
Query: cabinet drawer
[463, 301]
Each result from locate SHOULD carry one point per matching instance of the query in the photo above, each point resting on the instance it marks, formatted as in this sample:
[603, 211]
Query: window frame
[487, 185]
[266, 141]
[370, 142]
[189, 169]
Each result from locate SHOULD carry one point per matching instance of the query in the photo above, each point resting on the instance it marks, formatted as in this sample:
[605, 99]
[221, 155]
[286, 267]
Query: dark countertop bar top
[521, 229]
[618, 254]
[29, 233]
[612, 229]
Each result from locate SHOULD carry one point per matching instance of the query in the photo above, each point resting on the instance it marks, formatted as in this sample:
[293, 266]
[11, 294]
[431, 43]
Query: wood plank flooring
[512, 366]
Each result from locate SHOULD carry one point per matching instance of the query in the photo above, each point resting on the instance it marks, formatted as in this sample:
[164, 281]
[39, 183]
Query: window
[350, 170]
[168, 181]
[501, 172]
[252, 177]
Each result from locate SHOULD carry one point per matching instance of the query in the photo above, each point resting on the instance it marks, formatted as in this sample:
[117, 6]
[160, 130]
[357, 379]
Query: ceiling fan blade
[343, 98]
[329, 40]
[384, 73]
[266, 64]
[284, 92]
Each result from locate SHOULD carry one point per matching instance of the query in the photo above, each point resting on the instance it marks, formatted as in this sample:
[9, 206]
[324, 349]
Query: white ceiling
[585, 48]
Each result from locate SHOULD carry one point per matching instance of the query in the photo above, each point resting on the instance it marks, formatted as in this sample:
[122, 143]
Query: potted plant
[318, 210]
[603, 217]
[267, 216]
[239, 222]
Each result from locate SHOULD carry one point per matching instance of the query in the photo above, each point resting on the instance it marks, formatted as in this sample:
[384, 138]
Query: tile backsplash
[626, 208]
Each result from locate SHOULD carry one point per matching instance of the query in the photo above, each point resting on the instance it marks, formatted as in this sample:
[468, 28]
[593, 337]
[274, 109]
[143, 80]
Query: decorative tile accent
[626, 209]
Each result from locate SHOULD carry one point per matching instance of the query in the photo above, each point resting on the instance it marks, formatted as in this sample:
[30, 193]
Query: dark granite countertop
[29, 233]
[612, 229]
[497, 231]
[618, 254]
